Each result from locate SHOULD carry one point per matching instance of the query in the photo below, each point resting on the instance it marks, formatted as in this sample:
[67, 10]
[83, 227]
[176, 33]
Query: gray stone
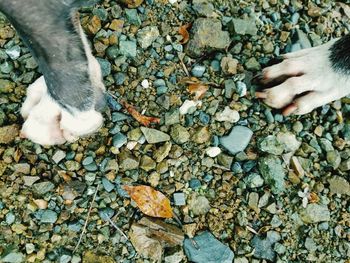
[107, 185]
[315, 213]
[43, 188]
[154, 136]
[58, 156]
[172, 117]
[209, 250]
[254, 180]
[270, 144]
[252, 64]
[339, 185]
[13, 257]
[127, 161]
[119, 140]
[207, 34]
[179, 134]
[127, 48]
[199, 205]
[204, 8]
[243, 26]
[179, 199]
[147, 35]
[303, 39]
[263, 248]
[48, 216]
[237, 140]
[333, 158]
[273, 173]
[198, 71]
[147, 163]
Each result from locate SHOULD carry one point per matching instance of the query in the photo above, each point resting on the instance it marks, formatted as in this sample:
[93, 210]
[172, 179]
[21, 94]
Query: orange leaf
[184, 33]
[198, 90]
[150, 201]
[144, 120]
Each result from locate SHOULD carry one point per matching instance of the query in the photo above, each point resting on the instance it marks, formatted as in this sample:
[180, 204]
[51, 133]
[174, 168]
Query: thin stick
[183, 65]
[87, 219]
[116, 227]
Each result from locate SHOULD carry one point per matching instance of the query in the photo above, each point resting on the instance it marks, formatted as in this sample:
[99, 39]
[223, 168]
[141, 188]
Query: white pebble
[227, 115]
[131, 145]
[188, 106]
[213, 151]
[145, 84]
[172, 1]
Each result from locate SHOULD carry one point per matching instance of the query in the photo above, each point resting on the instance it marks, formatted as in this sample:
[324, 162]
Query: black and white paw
[47, 123]
[310, 80]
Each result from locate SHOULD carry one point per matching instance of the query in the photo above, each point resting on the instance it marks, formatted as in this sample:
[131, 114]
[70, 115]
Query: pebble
[199, 42]
[147, 35]
[315, 213]
[243, 26]
[127, 48]
[179, 134]
[213, 151]
[237, 140]
[273, 173]
[58, 156]
[43, 188]
[145, 84]
[228, 115]
[198, 71]
[119, 140]
[199, 205]
[13, 257]
[48, 216]
[263, 248]
[8, 133]
[201, 135]
[189, 106]
[179, 199]
[229, 65]
[254, 180]
[339, 185]
[154, 136]
[208, 249]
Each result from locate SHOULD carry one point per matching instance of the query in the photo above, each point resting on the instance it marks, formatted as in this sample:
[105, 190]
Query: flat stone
[154, 136]
[147, 35]
[179, 134]
[208, 250]
[273, 173]
[245, 26]
[237, 140]
[8, 133]
[43, 188]
[179, 199]
[228, 115]
[315, 213]
[58, 156]
[339, 185]
[48, 216]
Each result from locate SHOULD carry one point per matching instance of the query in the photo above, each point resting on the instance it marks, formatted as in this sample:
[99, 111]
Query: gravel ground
[247, 184]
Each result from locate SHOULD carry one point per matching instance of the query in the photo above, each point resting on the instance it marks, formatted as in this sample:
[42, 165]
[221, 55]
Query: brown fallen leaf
[151, 202]
[183, 31]
[144, 120]
[196, 87]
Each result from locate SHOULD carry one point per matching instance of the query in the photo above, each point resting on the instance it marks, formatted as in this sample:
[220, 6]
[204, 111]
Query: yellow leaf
[151, 202]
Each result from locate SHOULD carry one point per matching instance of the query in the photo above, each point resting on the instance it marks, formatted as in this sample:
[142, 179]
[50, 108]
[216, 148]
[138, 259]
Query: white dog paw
[47, 123]
[310, 81]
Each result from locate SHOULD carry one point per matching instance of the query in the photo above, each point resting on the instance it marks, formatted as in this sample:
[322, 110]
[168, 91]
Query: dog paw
[309, 81]
[47, 123]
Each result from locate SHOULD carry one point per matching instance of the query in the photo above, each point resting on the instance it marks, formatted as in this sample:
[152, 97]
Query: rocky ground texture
[246, 183]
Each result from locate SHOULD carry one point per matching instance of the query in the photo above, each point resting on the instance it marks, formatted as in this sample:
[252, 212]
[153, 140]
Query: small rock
[252, 64]
[207, 33]
[162, 152]
[43, 188]
[22, 168]
[147, 163]
[8, 133]
[273, 173]
[334, 159]
[229, 65]
[13, 257]
[48, 216]
[207, 250]
[263, 248]
[228, 115]
[339, 185]
[30, 180]
[189, 106]
[243, 26]
[237, 140]
[147, 35]
[315, 213]
[127, 161]
[254, 180]
[127, 48]
[119, 140]
[179, 199]
[201, 135]
[179, 134]
[154, 136]
[213, 151]
[198, 71]
[58, 156]
[199, 205]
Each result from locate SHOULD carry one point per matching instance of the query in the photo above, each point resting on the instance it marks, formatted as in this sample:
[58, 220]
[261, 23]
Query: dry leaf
[150, 201]
[184, 33]
[144, 120]
[196, 87]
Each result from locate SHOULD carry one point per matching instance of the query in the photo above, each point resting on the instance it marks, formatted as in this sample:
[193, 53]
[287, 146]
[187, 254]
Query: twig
[87, 219]
[183, 65]
[116, 227]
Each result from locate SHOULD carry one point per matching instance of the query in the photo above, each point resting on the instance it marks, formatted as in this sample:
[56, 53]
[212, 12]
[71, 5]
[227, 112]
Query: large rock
[237, 140]
[209, 250]
[207, 34]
